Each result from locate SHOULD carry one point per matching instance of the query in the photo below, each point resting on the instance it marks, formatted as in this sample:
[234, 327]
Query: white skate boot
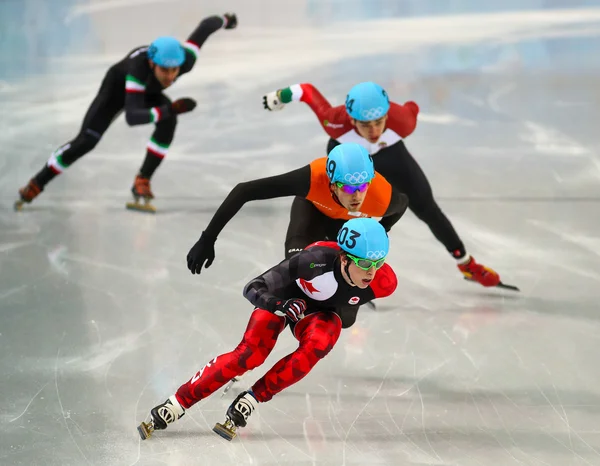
[237, 415]
[160, 416]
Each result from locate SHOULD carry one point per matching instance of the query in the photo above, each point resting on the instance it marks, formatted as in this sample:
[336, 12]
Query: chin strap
[334, 196]
[347, 270]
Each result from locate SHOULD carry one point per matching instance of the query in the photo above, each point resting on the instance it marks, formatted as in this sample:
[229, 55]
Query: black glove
[230, 20]
[183, 105]
[293, 308]
[202, 251]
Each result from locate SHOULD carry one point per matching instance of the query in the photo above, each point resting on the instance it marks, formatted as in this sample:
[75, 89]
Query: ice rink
[100, 319]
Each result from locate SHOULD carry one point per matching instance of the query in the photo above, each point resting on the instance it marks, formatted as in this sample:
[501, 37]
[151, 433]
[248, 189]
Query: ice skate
[141, 190]
[485, 276]
[160, 416]
[27, 194]
[237, 415]
[230, 384]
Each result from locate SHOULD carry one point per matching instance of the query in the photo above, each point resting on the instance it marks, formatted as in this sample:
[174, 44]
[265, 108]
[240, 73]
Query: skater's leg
[403, 171]
[259, 340]
[160, 141]
[307, 225]
[105, 107]
[156, 151]
[317, 334]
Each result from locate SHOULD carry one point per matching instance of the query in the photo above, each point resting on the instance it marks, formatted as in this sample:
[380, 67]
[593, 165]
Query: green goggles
[366, 264]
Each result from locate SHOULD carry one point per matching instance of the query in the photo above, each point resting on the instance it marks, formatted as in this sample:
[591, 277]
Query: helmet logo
[331, 168]
[373, 113]
[375, 255]
[347, 237]
[356, 177]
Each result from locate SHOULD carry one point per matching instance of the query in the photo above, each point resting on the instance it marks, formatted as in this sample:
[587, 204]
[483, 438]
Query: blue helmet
[350, 163]
[367, 101]
[364, 238]
[167, 52]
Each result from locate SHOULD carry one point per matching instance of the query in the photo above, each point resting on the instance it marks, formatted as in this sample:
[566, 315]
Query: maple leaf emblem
[308, 287]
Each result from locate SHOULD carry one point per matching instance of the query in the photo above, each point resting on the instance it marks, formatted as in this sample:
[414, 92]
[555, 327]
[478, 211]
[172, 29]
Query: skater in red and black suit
[317, 292]
[135, 85]
[368, 118]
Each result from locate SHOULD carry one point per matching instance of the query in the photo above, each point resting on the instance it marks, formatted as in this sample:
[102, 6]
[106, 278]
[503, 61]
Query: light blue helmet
[367, 101]
[167, 52]
[364, 238]
[350, 163]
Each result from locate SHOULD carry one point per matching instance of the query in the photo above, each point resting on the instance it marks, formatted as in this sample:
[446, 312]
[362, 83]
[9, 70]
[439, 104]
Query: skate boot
[141, 189]
[28, 194]
[237, 415]
[478, 273]
[160, 416]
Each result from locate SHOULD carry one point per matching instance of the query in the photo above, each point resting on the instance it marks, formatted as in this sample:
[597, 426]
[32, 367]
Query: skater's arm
[294, 183]
[137, 111]
[384, 283]
[197, 38]
[332, 119]
[265, 290]
[403, 118]
[396, 209]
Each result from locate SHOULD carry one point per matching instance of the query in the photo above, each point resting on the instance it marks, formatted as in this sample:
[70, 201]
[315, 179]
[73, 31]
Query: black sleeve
[396, 209]
[138, 113]
[265, 290]
[294, 183]
[136, 110]
[197, 38]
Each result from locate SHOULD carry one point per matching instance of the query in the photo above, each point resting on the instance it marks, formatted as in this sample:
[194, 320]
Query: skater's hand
[272, 101]
[183, 105]
[230, 20]
[202, 251]
[292, 308]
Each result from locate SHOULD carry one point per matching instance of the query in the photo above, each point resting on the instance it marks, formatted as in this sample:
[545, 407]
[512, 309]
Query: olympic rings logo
[356, 177]
[372, 113]
[375, 255]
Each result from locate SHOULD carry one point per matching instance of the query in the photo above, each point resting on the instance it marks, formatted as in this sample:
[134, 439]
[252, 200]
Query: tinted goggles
[352, 188]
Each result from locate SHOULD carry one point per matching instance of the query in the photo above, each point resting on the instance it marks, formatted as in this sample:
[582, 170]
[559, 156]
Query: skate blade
[145, 430]
[19, 205]
[499, 285]
[229, 386]
[228, 433]
[141, 207]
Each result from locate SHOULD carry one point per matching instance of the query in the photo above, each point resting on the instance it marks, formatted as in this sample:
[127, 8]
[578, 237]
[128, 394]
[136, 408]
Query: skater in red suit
[368, 118]
[317, 292]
